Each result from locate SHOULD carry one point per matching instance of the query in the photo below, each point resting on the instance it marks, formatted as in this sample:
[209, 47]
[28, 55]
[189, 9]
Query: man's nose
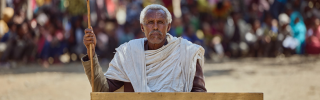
[155, 26]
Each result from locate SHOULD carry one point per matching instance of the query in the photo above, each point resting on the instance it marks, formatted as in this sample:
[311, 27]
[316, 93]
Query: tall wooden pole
[91, 46]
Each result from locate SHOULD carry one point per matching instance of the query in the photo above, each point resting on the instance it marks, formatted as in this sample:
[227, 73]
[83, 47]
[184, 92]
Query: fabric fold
[170, 68]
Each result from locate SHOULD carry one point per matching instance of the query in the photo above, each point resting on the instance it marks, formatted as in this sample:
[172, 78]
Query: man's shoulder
[188, 43]
[189, 46]
[132, 43]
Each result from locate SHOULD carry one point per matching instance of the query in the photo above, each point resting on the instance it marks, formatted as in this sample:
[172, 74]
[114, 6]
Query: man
[234, 37]
[19, 45]
[157, 63]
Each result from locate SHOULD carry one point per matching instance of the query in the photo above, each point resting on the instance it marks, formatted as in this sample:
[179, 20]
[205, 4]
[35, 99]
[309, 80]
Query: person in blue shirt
[299, 30]
[190, 35]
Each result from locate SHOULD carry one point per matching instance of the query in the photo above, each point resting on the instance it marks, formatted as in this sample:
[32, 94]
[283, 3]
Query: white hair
[155, 6]
[284, 19]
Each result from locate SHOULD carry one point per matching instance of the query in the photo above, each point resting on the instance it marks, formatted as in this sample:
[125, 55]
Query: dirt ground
[293, 78]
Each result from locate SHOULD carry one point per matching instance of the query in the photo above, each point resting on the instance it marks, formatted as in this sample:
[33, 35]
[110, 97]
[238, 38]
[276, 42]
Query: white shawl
[170, 68]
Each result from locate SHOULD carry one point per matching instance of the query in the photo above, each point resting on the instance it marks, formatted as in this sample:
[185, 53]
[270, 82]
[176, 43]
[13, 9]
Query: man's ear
[169, 27]
[141, 27]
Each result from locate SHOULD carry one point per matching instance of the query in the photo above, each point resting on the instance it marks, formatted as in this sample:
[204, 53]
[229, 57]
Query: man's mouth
[155, 34]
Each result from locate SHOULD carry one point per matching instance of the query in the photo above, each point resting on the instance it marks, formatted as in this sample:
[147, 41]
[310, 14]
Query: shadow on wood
[175, 96]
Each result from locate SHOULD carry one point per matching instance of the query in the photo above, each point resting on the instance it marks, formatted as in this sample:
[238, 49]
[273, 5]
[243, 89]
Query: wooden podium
[174, 96]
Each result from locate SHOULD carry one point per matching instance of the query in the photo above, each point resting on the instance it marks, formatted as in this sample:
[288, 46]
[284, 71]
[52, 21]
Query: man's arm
[101, 84]
[198, 82]
[100, 81]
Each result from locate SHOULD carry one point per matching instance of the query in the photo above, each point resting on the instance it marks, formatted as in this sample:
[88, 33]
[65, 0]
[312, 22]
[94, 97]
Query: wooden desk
[175, 96]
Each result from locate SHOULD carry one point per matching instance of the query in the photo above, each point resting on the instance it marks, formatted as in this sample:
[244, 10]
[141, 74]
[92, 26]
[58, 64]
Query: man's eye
[160, 22]
[150, 22]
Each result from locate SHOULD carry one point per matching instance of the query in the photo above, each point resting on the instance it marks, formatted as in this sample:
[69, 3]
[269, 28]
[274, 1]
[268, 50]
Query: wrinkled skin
[155, 27]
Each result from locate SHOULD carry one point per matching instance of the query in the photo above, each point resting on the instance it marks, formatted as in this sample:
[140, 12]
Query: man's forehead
[155, 13]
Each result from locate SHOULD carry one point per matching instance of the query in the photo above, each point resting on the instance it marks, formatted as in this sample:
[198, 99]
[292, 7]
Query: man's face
[155, 26]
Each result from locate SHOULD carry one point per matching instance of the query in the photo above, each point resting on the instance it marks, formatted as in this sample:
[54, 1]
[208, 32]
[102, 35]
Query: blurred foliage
[76, 7]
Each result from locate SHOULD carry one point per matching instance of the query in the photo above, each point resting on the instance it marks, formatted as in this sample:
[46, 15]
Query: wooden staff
[91, 55]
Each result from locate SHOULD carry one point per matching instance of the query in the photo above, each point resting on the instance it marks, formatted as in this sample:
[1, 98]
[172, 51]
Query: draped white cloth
[170, 68]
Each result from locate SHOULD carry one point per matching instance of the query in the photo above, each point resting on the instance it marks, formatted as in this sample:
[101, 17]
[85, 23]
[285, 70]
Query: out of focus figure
[53, 29]
[298, 30]
[20, 45]
[234, 38]
[285, 35]
[313, 38]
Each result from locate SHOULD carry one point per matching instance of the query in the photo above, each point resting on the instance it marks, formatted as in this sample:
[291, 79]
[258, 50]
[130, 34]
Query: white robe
[170, 68]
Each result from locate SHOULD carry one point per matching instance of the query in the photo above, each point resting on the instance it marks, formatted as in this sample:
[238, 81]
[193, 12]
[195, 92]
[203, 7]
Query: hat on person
[284, 19]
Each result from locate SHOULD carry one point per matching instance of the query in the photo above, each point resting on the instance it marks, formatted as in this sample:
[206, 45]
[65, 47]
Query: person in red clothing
[313, 39]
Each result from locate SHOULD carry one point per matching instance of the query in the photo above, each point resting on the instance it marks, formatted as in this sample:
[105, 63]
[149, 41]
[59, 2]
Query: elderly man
[157, 63]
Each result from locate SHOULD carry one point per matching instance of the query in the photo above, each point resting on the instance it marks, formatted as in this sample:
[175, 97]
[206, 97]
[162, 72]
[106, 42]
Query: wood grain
[175, 96]
[91, 55]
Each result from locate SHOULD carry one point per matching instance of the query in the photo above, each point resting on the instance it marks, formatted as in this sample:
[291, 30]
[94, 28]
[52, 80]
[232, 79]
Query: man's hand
[89, 38]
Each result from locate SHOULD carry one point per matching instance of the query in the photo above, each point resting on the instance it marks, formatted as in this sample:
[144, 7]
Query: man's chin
[155, 41]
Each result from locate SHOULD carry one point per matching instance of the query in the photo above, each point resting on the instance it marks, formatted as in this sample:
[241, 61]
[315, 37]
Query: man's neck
[152, 46]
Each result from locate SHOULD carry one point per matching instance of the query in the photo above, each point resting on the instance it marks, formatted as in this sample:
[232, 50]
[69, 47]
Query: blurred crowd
[51, 31]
